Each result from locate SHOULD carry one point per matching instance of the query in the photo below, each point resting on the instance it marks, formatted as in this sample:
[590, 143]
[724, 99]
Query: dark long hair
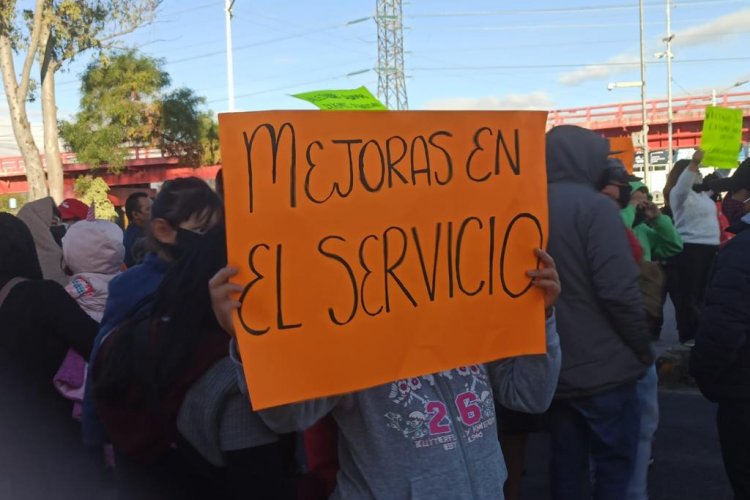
[674, 174]
[182, 334]
[178, 201]
[182, 317]
[18, 257]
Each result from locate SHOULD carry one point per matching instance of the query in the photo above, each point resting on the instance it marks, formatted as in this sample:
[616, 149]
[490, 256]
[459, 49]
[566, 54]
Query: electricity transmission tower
[391, 81]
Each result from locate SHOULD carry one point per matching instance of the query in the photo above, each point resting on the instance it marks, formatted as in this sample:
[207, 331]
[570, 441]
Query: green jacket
[658, 238]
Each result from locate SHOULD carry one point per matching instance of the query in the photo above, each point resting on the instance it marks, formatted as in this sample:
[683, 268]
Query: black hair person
[183, 208]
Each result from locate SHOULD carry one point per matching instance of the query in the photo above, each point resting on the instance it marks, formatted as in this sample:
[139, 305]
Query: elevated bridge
[148, 166]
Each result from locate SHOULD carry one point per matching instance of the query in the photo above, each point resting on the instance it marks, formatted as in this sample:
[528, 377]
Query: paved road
[687, 458]
[687, 461]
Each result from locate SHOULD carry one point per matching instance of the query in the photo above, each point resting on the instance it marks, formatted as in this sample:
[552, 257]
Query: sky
[478, 54]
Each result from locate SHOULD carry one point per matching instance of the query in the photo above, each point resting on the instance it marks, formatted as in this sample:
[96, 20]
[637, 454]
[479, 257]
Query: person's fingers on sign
[547, 279]
[224, 292]
[698, 156]
[224, 295]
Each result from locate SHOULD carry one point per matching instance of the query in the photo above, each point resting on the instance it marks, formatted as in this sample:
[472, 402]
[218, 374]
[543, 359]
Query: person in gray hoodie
[594, 418]
[424, 437]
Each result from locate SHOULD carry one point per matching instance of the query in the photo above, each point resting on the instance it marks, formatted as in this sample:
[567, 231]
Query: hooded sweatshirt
[93, 251]
[427, 437]
[39, 217]
[600, 314]
[658, 238]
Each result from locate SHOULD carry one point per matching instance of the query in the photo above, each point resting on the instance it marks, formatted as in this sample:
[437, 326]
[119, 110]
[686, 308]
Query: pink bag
[70, 380]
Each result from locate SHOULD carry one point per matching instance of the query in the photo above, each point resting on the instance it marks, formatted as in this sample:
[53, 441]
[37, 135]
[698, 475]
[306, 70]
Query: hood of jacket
[576, 155]
[636, 185]
[39, 217]
[93, 247]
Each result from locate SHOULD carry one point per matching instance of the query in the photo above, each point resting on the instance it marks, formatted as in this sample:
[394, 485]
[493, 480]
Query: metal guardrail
[628, 114]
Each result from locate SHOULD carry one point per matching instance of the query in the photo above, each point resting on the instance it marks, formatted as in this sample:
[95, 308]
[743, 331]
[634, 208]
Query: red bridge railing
[13, 166]
[628, 114]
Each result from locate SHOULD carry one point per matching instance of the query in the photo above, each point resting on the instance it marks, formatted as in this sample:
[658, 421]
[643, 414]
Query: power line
[259, 43]
[194, 8]
[556, 26]
[574, 65]
[562, 10]
[286, 87]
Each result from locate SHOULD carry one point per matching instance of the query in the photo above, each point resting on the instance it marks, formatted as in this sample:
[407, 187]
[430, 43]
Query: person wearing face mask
[615, 184]
[594, 419]
[720, 360]
[737, 201]
[183, 208]
[696, 220]
[657, 239]
[196, 436]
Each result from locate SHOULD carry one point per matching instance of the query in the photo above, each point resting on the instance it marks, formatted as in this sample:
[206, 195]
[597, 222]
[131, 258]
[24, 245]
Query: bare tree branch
[23, 87]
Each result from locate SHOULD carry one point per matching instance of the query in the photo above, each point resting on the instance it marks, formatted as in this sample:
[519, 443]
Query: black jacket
[600, 315]
[720, 360]
[39, 321]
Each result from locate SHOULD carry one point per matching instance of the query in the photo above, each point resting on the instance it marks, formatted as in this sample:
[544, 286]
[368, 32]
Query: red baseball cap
[72, 209]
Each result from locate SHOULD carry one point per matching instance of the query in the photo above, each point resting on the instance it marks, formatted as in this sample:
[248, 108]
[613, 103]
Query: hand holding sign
[722, 137]
[547, 279]
[224, 295]
[373, 247]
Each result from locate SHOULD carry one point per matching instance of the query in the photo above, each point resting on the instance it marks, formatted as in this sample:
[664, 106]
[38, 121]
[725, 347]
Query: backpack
[140, 418]
[8, 287]
[652, 281]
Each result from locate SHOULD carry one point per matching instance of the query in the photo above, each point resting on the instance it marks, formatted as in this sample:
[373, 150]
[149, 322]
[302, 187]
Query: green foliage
[94, 190]
[21, 199]
[125, 104]
[79, 25]
[8, 21]
[179, 131]
[209, 137]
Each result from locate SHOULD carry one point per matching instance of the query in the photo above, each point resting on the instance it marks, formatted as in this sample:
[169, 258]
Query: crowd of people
[136, 334]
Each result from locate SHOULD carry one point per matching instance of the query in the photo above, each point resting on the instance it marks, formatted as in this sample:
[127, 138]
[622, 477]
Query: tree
[209, 137]
[118, 109]
[72, 27]
[178, 132]
[58, 31]
[17, 90]
[125, 104]
[94, 190]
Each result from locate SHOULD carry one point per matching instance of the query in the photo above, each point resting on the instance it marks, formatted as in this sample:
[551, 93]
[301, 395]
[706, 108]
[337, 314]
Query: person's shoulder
[600, 206]
[133, 232]
[126, 278]
[569, 197]
[40, 290]
[737, 249]
[151, 266]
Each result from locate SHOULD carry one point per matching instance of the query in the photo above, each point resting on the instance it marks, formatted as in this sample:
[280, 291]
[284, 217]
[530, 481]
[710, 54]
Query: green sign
[360, 98]
[722, 137]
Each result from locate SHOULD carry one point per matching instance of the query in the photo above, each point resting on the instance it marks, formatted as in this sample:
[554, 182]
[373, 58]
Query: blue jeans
[602, 429]
[648, 399]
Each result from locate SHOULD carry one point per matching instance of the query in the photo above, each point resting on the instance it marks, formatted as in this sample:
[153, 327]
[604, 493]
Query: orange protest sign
[626, 151]
[375, 246]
